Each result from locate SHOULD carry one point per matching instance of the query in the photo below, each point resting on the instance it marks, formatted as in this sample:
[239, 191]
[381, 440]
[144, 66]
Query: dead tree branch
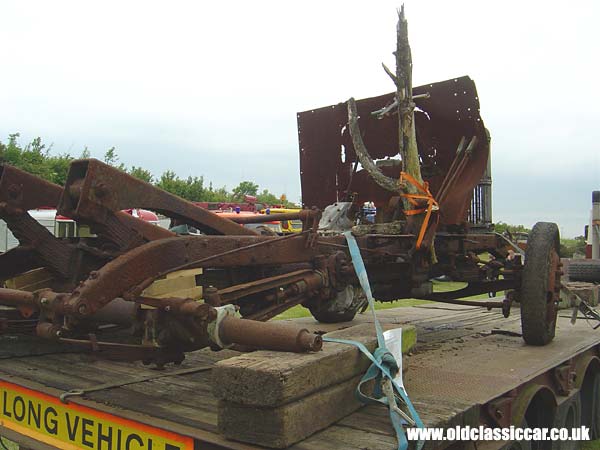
[407, 134]
[404, 104]
[365, 159]
[390, 73]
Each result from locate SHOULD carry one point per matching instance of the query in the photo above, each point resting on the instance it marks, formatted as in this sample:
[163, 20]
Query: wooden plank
[184, 273]
[283, 426]
[375, 418]
[31, 281]
[271, 379]
[166, 402]
[24, 346]
[459, 364]
[195, 293]
[146, 416]
[168, 285]
[338, 437]
[181, 283]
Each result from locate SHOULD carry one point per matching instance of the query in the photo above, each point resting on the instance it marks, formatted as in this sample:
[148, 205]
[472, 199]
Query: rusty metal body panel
[327, 156]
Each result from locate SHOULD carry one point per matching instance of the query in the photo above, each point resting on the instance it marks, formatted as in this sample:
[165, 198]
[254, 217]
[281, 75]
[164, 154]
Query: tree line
[568, 247]
[37, 158]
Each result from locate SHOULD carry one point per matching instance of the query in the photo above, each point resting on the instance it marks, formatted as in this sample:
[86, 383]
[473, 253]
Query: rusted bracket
[564, 376]
[94, 190]
[501, 409]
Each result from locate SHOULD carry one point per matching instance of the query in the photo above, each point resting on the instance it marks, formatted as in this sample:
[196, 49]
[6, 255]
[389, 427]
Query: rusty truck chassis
[247, 278]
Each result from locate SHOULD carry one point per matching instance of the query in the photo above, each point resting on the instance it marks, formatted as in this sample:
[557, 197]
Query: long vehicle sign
[72, 426]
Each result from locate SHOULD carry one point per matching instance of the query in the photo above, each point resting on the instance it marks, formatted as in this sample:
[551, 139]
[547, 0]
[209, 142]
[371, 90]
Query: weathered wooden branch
[407, 134]
[390, 73]
[381, 113]
[404, 106]
[365, 159]
[386, 110]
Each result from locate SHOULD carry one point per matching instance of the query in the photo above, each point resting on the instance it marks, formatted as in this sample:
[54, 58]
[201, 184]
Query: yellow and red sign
[72, 426]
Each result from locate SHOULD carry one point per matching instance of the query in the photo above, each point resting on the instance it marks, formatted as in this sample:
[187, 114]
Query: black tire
[584, 270]
[540, 284]
[342, 308]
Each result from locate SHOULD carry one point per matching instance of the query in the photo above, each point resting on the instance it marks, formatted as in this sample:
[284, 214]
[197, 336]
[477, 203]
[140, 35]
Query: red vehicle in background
[250, 206]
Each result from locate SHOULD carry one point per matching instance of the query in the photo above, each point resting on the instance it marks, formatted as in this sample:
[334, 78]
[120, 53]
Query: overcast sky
[212, 88]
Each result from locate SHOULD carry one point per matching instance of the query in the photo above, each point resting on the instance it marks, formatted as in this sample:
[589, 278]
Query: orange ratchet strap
[412, 198]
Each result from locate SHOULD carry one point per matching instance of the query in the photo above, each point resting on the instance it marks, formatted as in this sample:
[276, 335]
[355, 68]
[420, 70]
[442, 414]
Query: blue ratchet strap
[384, 364]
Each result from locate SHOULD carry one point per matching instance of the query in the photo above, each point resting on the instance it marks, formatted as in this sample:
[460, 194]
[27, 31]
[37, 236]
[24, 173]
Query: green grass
[438, 286]
[590, 445]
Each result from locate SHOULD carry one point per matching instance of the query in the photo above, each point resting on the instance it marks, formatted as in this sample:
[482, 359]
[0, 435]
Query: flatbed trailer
[470, 366]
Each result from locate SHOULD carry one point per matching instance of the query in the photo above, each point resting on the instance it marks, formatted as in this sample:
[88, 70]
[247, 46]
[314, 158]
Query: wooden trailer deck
[465, 357]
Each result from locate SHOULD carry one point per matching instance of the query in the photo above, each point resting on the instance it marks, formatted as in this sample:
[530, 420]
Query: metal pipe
[262, 218]
[595, 231]
[118, 312]
[277, 336]
[13, 297]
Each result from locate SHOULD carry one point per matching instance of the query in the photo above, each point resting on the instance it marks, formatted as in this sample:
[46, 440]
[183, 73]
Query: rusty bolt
[499, 413]
[82, 308]
[44, 301]
[167, 308]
